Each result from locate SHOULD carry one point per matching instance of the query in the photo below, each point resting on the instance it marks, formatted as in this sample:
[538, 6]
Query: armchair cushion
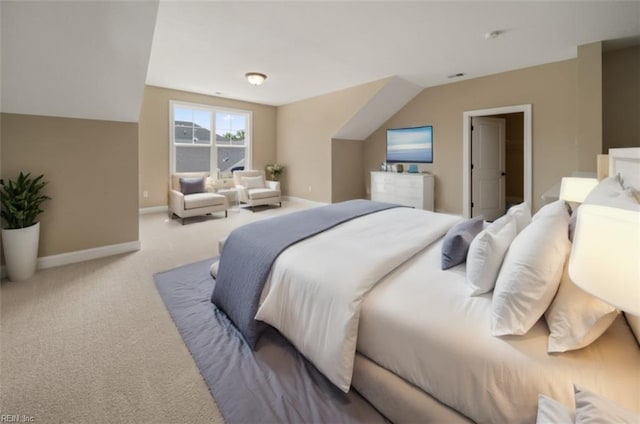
[253, 182]
[263, 193]
[174, 182]
[191, 185]
[203, 200]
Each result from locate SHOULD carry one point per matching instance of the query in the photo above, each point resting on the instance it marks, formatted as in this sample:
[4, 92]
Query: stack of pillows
[524, 261]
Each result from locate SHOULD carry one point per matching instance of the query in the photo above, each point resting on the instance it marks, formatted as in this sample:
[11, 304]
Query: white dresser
[416, 190]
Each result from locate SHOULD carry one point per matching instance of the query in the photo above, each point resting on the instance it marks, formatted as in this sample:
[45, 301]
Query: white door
[487, 167]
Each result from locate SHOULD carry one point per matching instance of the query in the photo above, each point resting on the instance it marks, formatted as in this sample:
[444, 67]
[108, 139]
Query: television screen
[410, 145]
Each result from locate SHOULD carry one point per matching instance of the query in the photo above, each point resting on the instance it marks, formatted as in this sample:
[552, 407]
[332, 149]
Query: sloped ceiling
[91, 59]
[76, 59]
[396, 93]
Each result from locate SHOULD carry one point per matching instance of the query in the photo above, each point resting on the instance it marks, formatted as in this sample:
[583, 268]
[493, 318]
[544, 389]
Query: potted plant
[275, 171]
[21, 200]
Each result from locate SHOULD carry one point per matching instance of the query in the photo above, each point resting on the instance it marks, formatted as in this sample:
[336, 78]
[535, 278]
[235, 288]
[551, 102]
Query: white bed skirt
[398, 400]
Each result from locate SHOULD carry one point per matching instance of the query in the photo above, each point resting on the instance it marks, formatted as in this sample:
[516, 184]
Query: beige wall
[621, 98]
[589, 103]
[347, 167]
[92, 170]
[305, 131]
[154, 137]
[551, 89]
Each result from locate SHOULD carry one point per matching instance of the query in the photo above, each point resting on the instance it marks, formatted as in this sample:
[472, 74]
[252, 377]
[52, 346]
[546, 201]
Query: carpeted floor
[93, 342]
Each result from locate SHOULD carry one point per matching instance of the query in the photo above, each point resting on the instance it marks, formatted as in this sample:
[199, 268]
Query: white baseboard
[82, 255]
[300, 199]
[153, 209]
[156, 209]
[448, 213]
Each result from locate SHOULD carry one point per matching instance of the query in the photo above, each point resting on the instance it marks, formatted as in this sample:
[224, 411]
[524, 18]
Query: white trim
[82, 255]
[153, 209]
[300, 199]
[466, 151]
[212, 109]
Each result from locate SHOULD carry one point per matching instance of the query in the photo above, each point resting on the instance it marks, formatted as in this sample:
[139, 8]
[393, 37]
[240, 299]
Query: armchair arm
[273, 185]
[176, 202]
[243, 194]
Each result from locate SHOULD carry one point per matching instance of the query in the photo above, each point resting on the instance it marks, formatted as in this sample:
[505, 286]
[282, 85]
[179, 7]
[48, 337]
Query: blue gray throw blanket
[249, 253]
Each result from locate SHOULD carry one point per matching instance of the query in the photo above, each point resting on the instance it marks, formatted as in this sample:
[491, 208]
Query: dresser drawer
[411, 192]
[414, 190]
[408, 181]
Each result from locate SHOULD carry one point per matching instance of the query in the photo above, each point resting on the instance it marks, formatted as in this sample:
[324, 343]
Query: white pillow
[576, 318]
[553, 412]
[530, 275]
[559, 207]
[593, 408]
[253, 182]
[522, 214]
[607, 190]
[486, 253]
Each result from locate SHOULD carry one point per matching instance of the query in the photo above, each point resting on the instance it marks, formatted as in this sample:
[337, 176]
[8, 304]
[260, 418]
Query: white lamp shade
[605, 257]
[575, 189]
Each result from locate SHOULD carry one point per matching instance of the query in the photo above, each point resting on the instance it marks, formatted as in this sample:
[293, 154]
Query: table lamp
[605, 257]
[576, 189]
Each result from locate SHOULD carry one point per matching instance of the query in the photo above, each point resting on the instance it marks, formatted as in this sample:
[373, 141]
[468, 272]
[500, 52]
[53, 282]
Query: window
[206, 139]
[231, 129]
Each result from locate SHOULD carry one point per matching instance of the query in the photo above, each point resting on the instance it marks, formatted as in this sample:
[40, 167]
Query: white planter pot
[21, 251]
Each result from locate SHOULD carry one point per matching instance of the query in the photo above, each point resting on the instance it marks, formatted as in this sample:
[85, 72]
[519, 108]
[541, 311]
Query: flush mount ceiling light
[255, 78]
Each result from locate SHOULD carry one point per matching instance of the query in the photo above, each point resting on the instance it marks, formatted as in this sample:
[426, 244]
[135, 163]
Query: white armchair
[254, 190]
[189, 204]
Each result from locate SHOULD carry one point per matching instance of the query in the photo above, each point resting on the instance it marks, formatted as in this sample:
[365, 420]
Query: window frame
[213, 110]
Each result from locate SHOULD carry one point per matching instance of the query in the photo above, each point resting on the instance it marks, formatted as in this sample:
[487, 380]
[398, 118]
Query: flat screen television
[410, 145]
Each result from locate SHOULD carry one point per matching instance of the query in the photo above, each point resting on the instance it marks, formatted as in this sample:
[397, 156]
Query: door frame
[466, 151]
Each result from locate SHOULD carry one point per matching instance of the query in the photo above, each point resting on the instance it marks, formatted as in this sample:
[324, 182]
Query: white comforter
[317, 286]
[421, 324]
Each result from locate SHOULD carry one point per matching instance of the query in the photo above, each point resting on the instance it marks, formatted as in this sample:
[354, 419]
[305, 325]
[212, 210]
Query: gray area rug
[273, 384]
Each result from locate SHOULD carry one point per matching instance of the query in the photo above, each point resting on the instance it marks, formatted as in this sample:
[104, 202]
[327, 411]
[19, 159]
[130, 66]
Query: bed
[409, 337]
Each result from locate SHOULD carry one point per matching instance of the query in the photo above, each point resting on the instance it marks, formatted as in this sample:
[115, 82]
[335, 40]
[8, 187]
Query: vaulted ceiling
[76, 59]
[92, 59]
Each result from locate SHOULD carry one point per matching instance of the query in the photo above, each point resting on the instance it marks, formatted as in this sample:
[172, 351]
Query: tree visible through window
[192, 146]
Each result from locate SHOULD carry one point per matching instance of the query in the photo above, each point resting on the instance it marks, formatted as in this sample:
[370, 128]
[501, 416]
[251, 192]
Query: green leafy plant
[21, 200]
[275, 171]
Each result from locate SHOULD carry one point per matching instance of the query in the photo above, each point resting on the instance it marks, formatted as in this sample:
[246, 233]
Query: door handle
[503, 174]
